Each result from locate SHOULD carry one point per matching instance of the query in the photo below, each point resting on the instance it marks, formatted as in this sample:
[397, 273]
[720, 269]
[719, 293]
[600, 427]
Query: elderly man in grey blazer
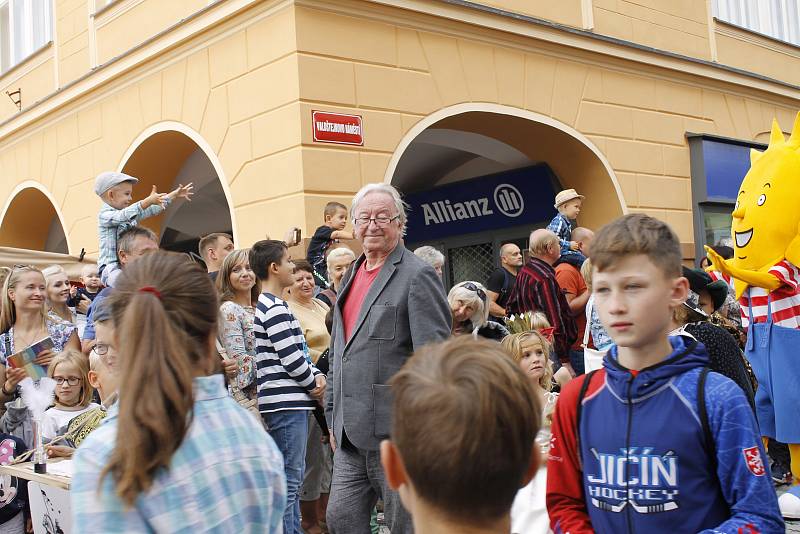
[390, 304]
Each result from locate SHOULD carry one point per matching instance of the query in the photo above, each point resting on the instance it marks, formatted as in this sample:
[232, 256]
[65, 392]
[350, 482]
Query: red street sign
[337, 128]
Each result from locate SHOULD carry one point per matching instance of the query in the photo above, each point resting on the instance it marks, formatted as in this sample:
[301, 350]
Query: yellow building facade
[605, 95]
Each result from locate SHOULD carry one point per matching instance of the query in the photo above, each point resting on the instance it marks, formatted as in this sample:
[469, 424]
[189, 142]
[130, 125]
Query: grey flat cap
[107, 180]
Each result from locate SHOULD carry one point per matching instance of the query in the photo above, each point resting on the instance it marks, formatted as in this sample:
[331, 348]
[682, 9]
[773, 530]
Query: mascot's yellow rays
[766, 219]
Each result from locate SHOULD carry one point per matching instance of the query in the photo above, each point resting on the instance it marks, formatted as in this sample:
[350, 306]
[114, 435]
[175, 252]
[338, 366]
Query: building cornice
[454, 17]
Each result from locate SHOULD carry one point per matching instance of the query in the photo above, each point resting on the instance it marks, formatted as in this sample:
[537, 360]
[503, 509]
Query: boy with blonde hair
[568, 203]
[120, 212]
[653, 442]
[463, 428]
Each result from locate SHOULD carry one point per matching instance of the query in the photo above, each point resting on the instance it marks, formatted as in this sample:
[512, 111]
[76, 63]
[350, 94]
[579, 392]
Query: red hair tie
[150, 289]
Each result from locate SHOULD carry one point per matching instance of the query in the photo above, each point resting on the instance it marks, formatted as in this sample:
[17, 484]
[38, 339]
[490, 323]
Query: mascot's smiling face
[767, 212]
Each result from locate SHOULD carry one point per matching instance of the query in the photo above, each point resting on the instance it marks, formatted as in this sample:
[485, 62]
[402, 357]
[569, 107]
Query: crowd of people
[591, 384]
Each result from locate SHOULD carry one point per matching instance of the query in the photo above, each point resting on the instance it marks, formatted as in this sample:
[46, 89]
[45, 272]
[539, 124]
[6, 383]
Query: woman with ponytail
[175, 453]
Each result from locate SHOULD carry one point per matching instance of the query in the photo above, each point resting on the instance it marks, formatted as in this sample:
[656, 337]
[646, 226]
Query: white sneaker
[789, 503]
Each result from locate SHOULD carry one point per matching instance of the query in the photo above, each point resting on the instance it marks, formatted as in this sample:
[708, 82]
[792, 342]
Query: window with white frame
[779, 19]
[25, 27]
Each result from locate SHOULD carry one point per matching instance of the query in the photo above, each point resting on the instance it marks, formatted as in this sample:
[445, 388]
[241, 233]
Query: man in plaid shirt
[536, 289]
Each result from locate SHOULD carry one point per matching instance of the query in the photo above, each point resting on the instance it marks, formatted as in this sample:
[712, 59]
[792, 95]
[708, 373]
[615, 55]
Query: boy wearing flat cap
[568, 203]
[120, 212]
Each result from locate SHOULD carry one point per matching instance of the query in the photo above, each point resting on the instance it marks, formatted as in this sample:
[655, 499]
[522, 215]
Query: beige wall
[129, 23]
[35, 78]
[756, 53]
[72, 39]
[676, 25]
[247, 88]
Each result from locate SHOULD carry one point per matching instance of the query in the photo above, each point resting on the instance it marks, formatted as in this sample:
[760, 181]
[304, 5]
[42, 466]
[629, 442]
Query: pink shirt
[355, 297]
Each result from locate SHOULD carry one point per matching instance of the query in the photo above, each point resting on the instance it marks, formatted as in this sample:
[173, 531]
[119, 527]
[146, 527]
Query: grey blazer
[404, 309]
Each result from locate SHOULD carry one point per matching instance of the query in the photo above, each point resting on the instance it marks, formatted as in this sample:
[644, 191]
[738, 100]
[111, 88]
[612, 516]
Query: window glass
[717, 222]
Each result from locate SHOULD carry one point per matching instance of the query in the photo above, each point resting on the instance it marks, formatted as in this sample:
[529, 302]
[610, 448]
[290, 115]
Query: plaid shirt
[227, 476]
[536, 289]
[562, 227]
[111, 222]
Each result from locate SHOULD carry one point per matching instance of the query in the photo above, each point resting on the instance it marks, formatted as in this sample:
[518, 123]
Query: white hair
[468, 296]
[386, 189]
[430, 255]
[336, 254]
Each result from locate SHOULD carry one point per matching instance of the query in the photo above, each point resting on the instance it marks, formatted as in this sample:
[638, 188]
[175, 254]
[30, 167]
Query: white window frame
[776, 19]
[24, 37]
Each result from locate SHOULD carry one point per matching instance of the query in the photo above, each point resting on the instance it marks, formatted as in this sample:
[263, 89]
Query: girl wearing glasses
[471, 312]
[70, 370]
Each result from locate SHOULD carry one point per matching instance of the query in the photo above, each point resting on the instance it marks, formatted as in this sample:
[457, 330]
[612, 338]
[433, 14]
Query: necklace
[29, 342]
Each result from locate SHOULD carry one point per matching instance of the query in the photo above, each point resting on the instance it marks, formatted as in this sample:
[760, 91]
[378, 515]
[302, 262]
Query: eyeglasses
[476, 289]
[380, 222]
[72, 380]
[101, 349]
[107, 354]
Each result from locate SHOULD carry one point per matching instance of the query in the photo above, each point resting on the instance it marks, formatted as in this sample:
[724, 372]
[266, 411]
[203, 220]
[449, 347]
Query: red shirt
[355, 297]
[571, 282]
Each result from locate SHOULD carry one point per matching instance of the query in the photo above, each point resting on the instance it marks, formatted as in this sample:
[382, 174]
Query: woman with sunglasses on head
[24, 321]
[176, 453]
[471, 312]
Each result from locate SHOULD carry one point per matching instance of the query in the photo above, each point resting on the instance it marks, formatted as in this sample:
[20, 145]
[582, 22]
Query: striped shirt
[285, 373]
[785, 299]
[227, 476]
[536, 289]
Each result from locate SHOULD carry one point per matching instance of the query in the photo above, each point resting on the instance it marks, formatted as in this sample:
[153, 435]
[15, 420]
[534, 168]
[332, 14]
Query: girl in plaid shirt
[176, 453]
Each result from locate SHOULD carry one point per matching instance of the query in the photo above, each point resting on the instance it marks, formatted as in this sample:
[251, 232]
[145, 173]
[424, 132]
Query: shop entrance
[480, 175]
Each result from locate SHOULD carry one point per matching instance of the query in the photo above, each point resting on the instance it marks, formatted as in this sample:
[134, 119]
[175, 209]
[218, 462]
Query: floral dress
[58, 329]
[239, 340]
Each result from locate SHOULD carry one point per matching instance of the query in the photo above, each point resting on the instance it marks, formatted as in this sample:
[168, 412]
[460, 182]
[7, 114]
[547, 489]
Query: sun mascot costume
[766, 274]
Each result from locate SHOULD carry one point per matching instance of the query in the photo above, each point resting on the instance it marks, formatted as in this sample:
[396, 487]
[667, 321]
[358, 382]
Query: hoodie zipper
[628, 517]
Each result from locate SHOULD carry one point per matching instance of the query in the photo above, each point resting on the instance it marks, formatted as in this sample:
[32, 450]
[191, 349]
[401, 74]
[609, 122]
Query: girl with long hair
[530, 351]
[238, 291]
[24, 321]
[73, 396]
[176, 453]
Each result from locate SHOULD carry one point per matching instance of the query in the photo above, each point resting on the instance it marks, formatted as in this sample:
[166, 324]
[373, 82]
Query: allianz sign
[507, 200]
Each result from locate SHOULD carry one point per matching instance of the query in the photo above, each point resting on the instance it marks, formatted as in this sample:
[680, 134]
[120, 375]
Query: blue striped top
[285, 373]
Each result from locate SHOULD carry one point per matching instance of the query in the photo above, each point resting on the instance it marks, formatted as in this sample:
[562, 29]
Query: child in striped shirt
[288, 383]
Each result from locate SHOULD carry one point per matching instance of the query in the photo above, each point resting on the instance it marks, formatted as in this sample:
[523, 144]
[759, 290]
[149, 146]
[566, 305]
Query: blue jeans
[289, 429]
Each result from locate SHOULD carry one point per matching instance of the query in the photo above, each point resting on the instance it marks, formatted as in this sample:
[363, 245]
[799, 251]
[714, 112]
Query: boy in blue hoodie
[653, 442]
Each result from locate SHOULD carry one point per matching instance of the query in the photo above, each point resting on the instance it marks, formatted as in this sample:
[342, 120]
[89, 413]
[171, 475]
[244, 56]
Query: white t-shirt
[55, 418]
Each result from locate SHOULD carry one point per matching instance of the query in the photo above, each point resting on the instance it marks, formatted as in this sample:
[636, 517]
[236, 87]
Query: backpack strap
[581, 394]
[708, 437]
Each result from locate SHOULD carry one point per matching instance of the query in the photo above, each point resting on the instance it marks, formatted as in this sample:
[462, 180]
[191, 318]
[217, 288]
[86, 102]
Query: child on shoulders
[568, 203]
[335, 221]
[120, 212]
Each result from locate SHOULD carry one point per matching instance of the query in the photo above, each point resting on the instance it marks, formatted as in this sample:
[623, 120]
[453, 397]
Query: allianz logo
[506, 199]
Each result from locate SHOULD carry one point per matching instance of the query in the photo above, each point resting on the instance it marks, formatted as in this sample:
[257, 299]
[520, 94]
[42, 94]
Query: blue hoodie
[645, 467]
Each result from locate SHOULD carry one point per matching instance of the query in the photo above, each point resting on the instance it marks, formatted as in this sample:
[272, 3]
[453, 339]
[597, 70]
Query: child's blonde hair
[539, 321]
[81, 362]
[512, 345]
